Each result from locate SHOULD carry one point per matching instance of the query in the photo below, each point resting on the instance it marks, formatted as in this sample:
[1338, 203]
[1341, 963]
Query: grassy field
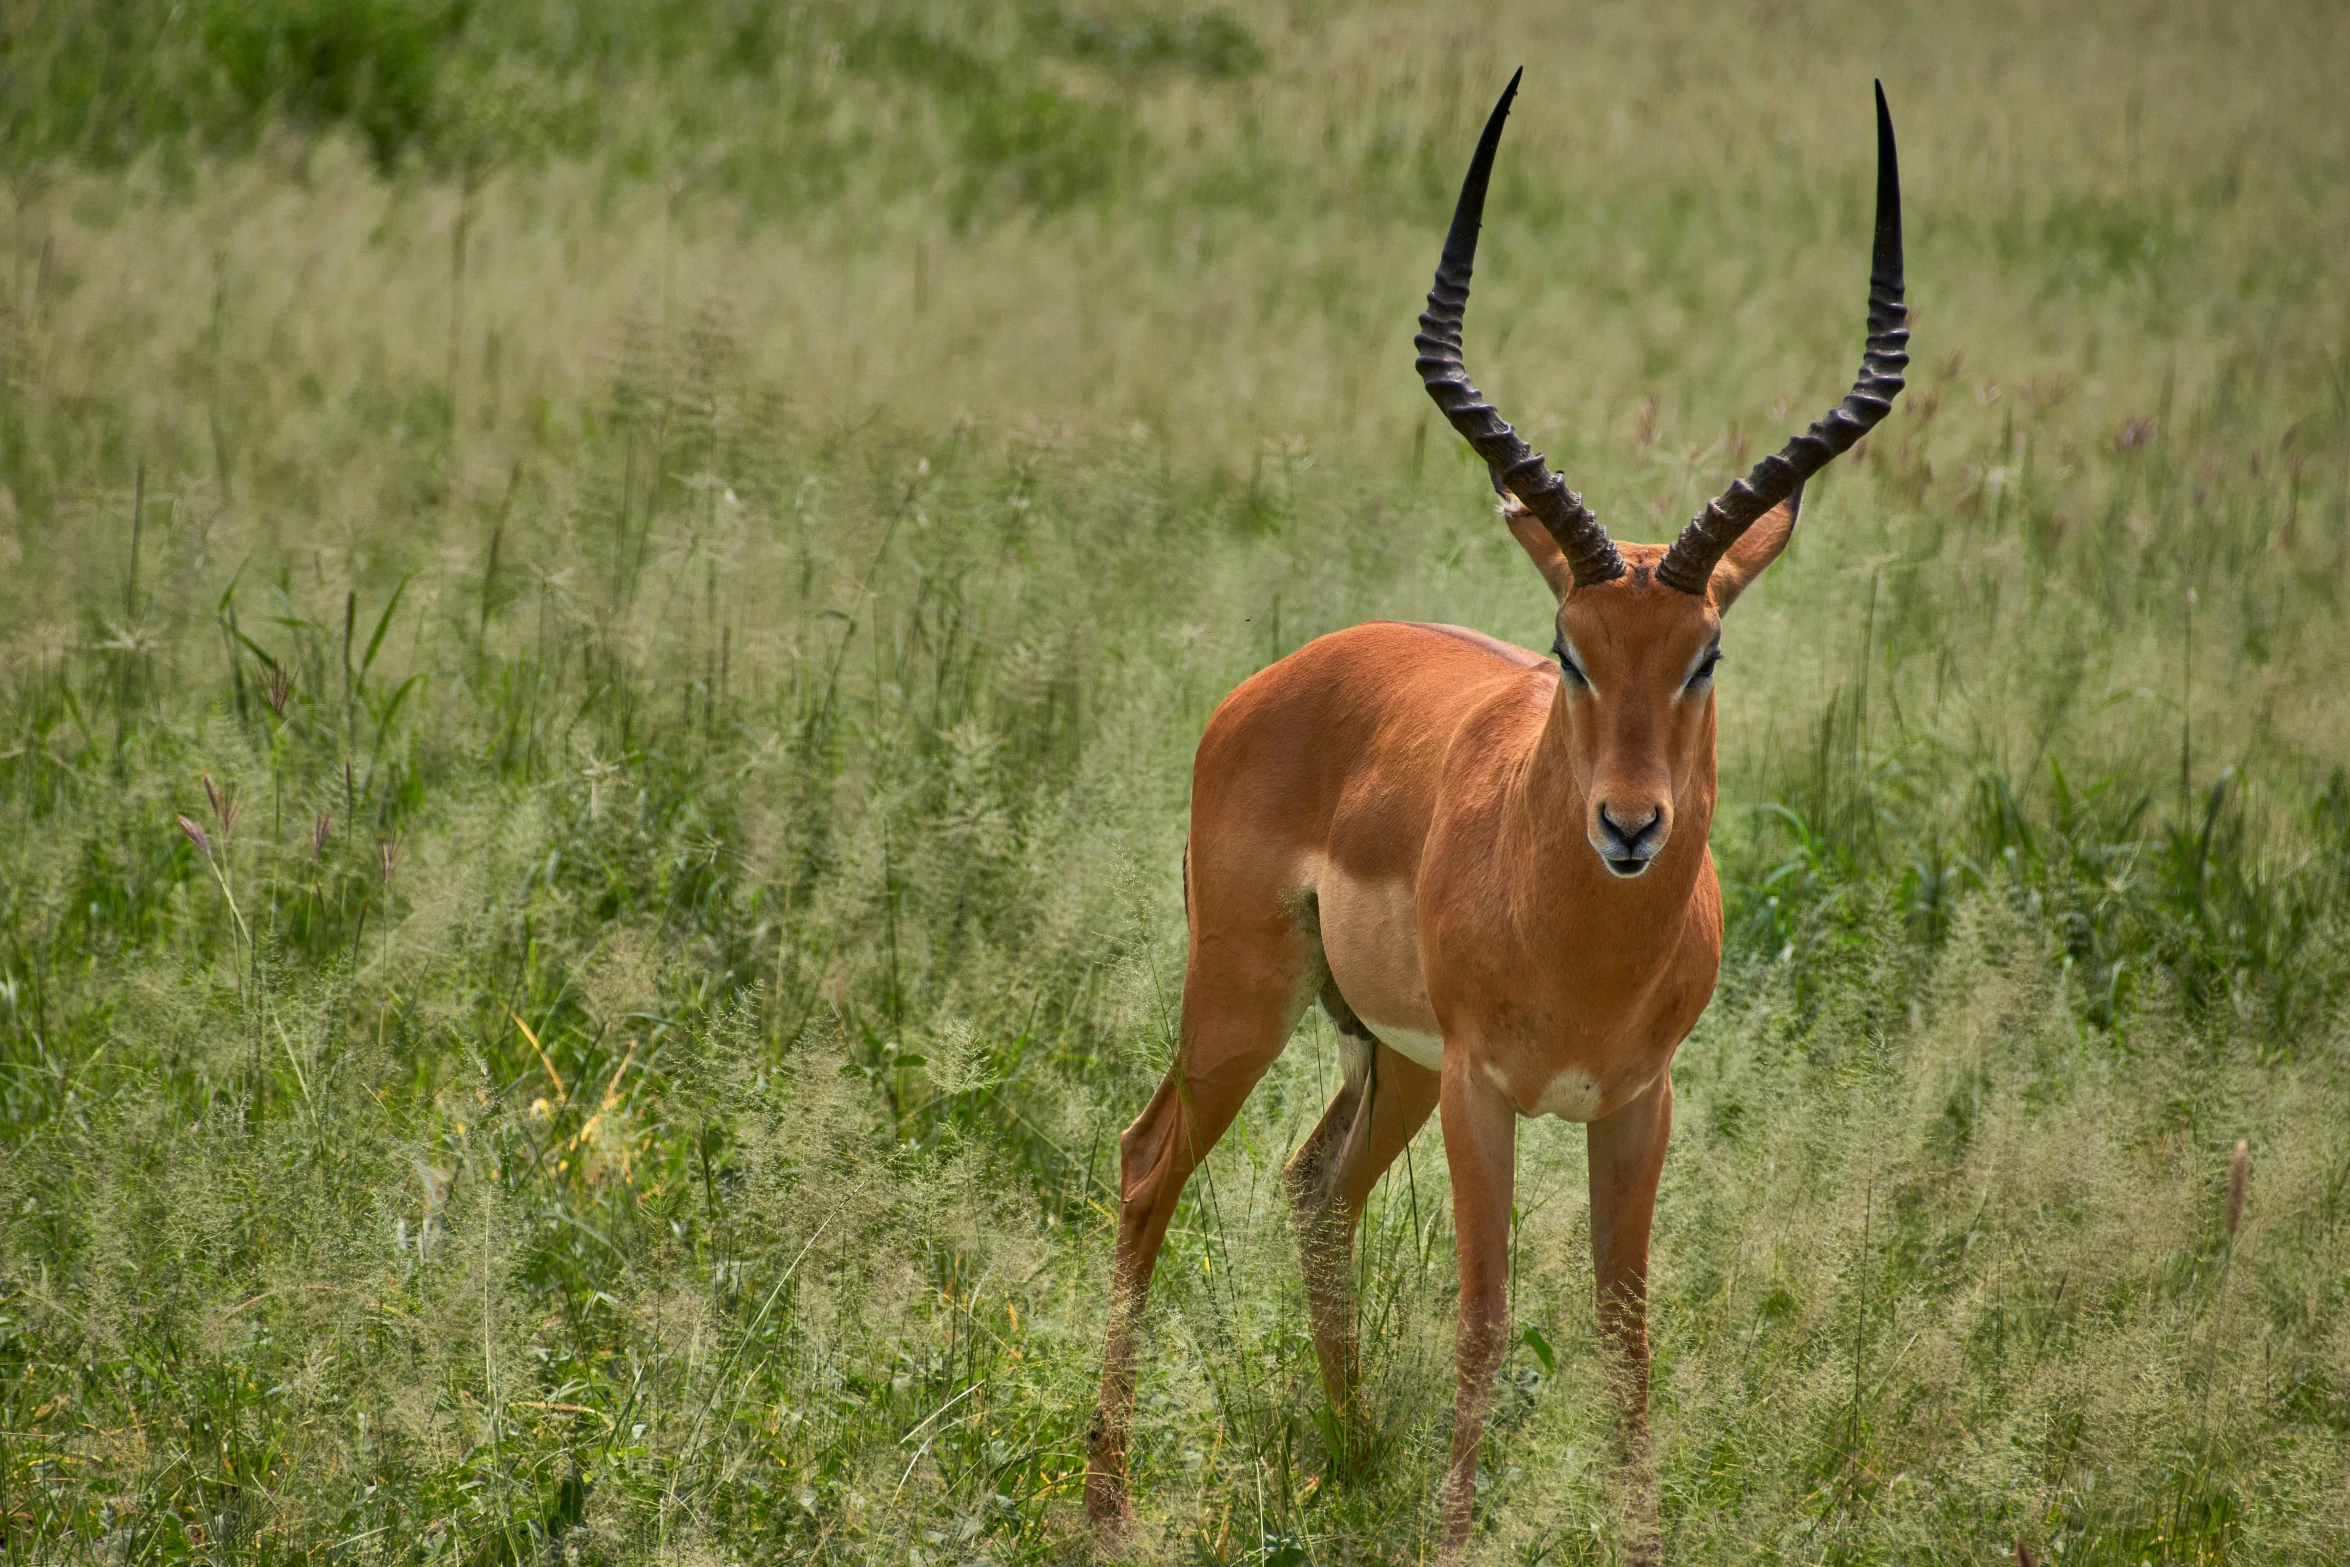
[605, 608]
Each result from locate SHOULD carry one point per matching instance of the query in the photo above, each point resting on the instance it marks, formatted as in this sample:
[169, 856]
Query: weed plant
[605, 610]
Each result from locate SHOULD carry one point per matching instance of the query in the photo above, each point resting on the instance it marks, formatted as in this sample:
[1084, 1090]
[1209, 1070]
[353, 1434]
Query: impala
[1491, 869]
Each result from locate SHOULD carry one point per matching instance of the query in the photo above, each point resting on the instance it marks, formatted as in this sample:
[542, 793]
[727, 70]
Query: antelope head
[1640, 626]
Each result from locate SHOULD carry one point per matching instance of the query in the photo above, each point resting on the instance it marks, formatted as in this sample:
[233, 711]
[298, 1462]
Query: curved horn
[1690, 562]
[1590, 556]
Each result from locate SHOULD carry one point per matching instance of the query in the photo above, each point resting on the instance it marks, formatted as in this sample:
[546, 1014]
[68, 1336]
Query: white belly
[1371, 940]
[1425, 1049]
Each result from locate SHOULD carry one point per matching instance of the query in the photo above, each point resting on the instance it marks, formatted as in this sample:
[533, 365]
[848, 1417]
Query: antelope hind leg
[1330, 1179]
[1234, 1025]
[1323, 1235]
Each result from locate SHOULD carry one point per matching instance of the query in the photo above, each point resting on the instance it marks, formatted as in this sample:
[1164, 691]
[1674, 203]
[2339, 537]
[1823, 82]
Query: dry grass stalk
[2239, 1179]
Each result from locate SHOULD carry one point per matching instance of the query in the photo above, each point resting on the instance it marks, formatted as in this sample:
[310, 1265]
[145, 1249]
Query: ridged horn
[1591, 557]
[1690, 562]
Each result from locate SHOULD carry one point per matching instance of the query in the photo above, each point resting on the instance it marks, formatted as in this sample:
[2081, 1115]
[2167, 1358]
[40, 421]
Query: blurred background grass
[672, 558]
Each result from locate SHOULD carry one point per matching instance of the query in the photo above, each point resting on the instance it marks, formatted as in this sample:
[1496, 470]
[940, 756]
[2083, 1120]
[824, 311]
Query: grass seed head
[224, 809]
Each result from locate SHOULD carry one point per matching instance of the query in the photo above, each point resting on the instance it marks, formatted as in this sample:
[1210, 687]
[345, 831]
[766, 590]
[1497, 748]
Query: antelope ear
[1539, 546]
[1756, 548]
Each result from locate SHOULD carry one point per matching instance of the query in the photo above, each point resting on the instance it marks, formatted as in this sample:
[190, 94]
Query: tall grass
[672, 563]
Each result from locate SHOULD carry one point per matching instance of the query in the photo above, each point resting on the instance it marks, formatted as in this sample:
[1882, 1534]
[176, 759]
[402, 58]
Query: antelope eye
[1567, 665]
[1703, 675]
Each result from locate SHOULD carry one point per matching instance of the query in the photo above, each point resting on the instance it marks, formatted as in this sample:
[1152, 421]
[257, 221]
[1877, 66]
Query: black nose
[1631, 840]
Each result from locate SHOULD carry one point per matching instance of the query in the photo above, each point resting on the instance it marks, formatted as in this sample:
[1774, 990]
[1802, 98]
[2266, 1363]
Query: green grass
[695, 546]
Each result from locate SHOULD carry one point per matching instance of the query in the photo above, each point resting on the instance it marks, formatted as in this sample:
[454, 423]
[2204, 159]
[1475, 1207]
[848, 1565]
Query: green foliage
[1041, 149]
[98, 82]
[372, 64]
[1212, 43]
[603, 612]
[2190, 900]
[460, 84]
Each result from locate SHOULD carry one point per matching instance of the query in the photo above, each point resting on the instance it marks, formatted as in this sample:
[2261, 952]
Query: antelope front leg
[1627, 1153]
[1480, 1146]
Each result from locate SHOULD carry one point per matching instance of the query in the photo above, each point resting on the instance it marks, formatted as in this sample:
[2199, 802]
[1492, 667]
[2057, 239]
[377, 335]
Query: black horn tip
[1490, 137]
[1888, 246]
[1888, 164]
[1461, 243]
